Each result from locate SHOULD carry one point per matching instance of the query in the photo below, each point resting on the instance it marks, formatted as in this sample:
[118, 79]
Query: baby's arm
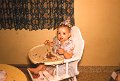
[66, 54]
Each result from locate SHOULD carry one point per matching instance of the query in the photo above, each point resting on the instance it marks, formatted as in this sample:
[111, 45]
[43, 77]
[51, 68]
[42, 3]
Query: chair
[78, 51]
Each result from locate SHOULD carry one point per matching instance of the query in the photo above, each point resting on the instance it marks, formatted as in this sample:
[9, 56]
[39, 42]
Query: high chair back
[77, 54]
[78, 42]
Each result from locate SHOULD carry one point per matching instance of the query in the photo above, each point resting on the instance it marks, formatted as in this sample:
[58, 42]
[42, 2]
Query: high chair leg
[47, 75]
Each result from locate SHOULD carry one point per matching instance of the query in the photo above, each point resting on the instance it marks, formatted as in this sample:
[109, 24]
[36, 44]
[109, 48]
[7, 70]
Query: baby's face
[63, 34]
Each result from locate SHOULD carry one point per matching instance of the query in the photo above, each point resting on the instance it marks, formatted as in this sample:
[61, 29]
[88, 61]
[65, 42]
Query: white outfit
[67, 46]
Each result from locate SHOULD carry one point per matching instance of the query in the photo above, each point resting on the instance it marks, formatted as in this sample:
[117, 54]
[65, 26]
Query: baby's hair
[66, 26]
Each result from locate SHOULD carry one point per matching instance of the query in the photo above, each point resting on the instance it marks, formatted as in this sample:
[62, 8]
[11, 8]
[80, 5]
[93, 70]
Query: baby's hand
[47, 42]
[60, 51]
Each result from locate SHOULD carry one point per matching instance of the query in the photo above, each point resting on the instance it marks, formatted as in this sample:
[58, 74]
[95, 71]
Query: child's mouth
[61, 38]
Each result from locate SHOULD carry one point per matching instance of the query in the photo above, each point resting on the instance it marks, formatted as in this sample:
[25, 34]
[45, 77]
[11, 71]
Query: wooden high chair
[35, 55]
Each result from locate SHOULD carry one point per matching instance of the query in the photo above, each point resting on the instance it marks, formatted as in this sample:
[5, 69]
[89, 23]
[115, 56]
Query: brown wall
[99, 22]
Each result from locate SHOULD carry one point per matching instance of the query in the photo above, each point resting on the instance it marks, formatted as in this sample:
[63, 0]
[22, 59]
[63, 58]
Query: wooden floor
[89, 73]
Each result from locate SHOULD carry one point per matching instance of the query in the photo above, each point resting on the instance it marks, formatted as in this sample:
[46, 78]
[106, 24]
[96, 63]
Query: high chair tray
[43, 54]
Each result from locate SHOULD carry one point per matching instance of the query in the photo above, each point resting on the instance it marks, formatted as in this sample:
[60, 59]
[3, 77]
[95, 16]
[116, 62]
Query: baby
[61, 44]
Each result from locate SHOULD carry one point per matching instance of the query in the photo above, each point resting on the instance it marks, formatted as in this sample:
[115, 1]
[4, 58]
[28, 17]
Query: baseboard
[98, 68]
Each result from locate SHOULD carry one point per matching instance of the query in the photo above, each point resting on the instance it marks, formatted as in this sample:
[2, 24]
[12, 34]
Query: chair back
[78, 42]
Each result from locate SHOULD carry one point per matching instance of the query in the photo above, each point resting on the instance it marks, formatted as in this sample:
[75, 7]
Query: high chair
[35, 53]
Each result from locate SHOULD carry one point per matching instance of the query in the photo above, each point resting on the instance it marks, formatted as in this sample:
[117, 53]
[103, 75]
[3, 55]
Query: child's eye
[58, 33]
[63, 33]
